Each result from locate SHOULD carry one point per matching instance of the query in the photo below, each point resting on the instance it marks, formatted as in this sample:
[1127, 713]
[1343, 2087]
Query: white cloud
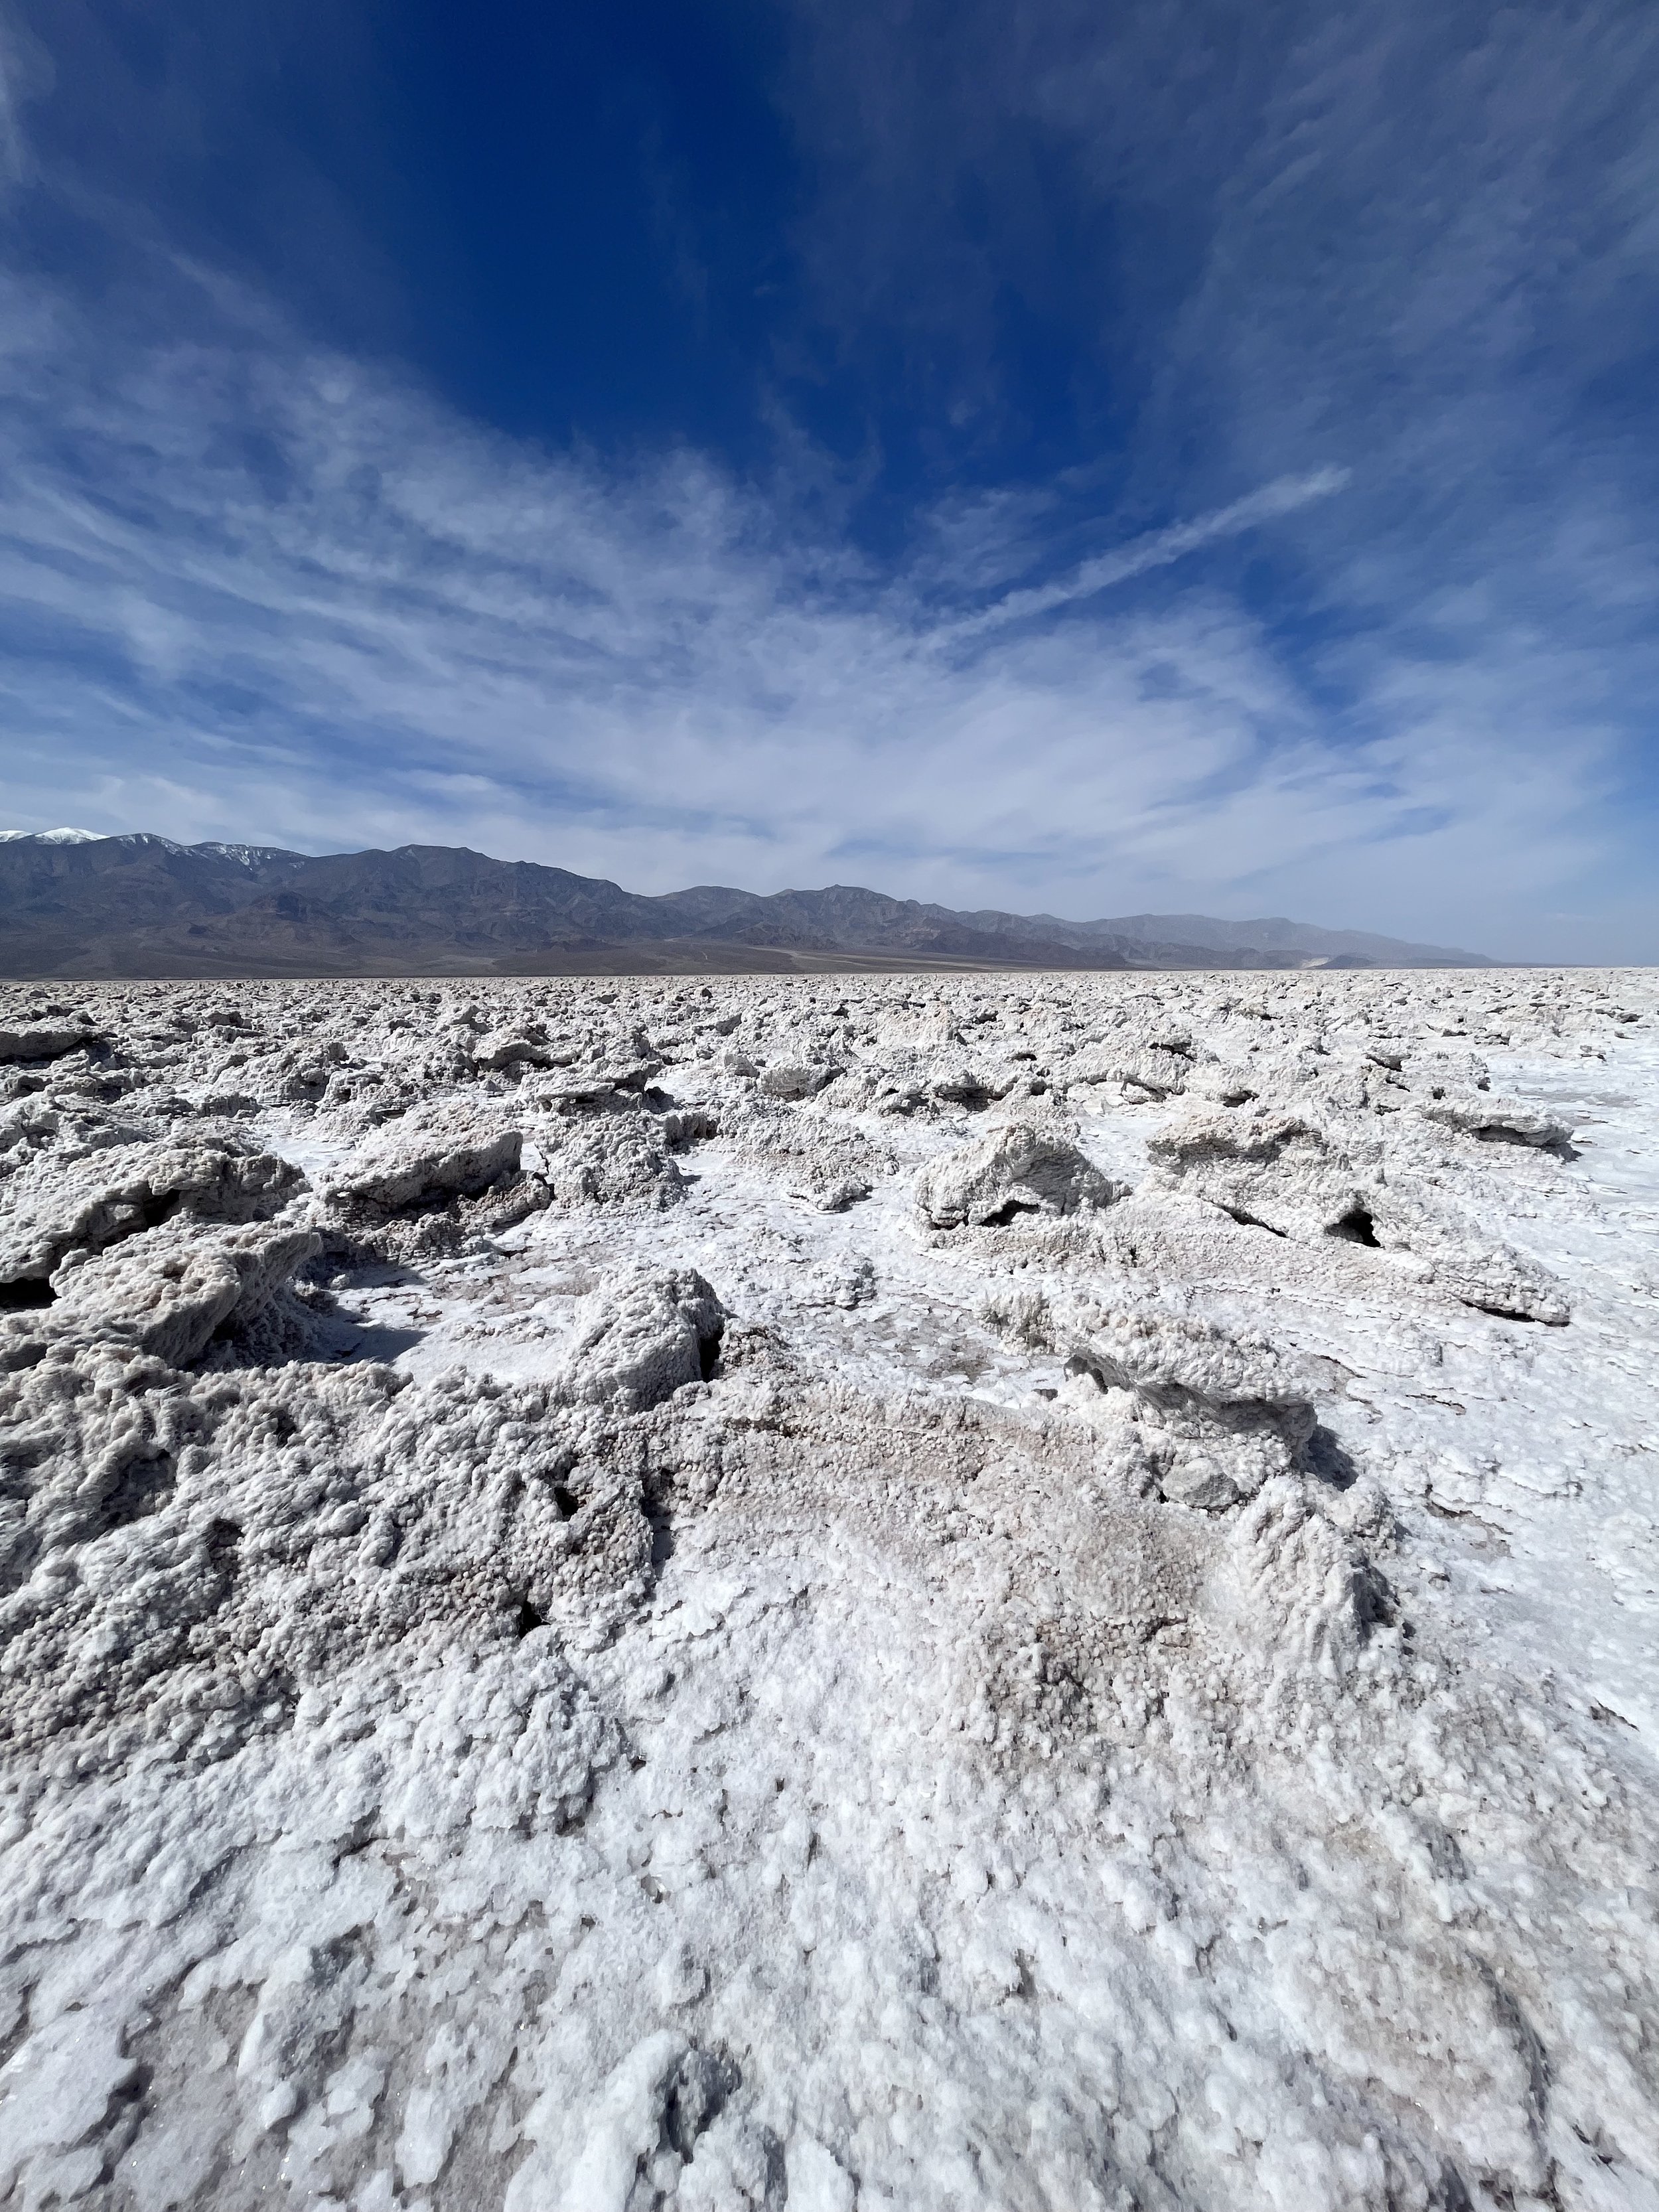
[1158, 548]
[1417, 243]
[256, 592]
[251, 588]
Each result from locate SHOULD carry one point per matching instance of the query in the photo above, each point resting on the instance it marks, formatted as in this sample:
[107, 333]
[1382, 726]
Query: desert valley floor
[901, 1593]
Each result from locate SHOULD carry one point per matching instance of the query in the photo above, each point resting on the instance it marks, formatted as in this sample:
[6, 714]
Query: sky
[1094, 459]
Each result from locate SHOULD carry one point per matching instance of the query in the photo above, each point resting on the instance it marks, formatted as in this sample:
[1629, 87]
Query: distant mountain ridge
[138, 905]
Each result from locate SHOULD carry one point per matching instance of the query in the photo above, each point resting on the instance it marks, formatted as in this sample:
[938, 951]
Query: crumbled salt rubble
[899, 1593]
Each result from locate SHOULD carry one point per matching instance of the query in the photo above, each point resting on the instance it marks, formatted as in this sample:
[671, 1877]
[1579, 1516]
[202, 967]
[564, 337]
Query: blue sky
[1100, 459]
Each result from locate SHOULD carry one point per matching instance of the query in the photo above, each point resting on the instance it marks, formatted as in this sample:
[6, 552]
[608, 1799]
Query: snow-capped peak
[249, 856]
[52, 836]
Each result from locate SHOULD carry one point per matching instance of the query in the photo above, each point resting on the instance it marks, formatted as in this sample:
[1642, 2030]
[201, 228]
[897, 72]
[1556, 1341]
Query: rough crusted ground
[884, 1592]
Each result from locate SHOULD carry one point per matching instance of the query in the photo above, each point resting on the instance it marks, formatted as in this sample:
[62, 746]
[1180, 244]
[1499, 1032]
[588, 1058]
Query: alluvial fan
[886, 1593]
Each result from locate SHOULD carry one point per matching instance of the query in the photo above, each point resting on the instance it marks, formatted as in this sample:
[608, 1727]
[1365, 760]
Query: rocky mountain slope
[856, 1595]
[145, 906]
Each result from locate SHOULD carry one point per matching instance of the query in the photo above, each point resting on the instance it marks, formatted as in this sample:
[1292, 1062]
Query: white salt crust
[896, 1593]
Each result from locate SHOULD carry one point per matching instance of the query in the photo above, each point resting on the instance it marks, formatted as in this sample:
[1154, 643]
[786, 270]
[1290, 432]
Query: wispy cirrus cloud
[1157, 548]
[254, 590]
[1335, 596]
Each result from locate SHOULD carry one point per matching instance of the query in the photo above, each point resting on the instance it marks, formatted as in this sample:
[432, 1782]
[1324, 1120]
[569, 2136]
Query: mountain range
[76, 905]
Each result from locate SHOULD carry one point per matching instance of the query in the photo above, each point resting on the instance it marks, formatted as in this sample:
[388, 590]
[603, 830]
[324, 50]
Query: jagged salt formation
[892, 1593]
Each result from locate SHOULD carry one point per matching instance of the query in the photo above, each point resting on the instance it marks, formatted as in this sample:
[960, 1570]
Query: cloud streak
[1158, 548]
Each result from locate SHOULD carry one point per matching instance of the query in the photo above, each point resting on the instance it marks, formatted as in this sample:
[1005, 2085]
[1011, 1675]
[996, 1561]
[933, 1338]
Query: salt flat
[892, 1592]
